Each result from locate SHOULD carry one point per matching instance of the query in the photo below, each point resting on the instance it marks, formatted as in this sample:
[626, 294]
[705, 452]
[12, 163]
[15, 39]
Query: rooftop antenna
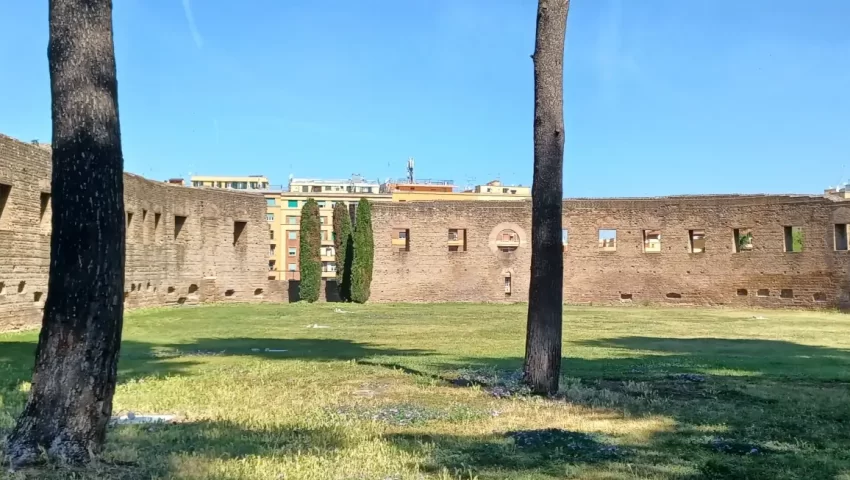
[410, 169]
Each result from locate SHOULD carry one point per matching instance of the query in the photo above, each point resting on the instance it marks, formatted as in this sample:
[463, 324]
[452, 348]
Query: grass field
[430, 391]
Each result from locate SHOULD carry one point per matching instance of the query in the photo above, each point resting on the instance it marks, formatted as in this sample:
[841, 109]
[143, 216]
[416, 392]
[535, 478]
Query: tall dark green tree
[70, 401]
[344, 244]
[545, 296]
[309, 257]
[364, 254]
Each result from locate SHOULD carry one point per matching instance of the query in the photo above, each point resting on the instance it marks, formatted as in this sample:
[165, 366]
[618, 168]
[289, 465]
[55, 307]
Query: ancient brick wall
[765, 276]
[184, 245]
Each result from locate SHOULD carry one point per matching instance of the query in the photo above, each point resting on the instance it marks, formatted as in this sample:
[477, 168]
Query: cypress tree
[344, 245]
[364, 254]
[309, 254]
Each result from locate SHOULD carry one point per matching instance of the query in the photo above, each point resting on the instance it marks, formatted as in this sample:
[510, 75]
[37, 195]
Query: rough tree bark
[545, 297]
[70, 401]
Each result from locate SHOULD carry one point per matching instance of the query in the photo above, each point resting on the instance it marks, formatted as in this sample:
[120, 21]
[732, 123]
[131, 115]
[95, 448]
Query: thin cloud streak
[190, 19]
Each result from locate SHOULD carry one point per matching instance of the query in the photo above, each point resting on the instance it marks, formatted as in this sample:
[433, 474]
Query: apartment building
[355, 184]
[283, 212]
[250, 182]
[443, 190]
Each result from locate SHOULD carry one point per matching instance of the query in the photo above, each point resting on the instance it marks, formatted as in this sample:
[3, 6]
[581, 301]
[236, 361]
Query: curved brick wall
[201, 263]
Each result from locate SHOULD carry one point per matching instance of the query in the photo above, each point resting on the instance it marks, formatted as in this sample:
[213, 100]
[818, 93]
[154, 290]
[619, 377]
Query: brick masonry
[201, 263]
[816, 277]
[205, 262]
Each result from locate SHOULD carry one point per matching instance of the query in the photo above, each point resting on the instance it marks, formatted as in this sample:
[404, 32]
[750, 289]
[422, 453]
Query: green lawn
[429, 391]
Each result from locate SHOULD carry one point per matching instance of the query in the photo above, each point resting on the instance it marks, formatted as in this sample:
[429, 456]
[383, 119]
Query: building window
[696, 241]
[293, 267]
[793, 239]
[305, 189]
[743, 238]
[271, 202]
[292, 220]
[608, 240]
[321, 203]
[327, 188]
[457, 240]
[270, 217]
[272, 264]
[328, 267]
[292, 234]
[652, 241]
[271, 234]
[293, 251]
[565, 239]
[272, 249]
[323, 220]
[44, 212]
[328, 252]
[292, 203]
[507, 285]
[239, 233]
[401, 239]
[324, 235]
[841, 236]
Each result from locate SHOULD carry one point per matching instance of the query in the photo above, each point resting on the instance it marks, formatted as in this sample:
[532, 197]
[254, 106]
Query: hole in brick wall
[5, 193]
[126, 295]
[148, 286]
[2, 288]
[607, 239]
[144, 215]
[170, 289]
[674, 295]
[139, 286]
[841, 236]
[401, 239]
[743, 239]
[229, 293]
[154, 289]
[129, 220]
[819, 297]
[696, 241]
[181, 300]
[763, 292]
[132, 287]
[193, 288]
[43, 217]
[179, 221]
[742, 292]
[652, 241]
[457, 240]
[258, 292]
[22, 286]
[156, 217]
[36, 297]
[786, 293]
[793, 239]
[625, 296]
[239, 233]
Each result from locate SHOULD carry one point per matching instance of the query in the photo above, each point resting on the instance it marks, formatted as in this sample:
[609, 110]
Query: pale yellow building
[491, 191]
[250, 182]
[283, 212]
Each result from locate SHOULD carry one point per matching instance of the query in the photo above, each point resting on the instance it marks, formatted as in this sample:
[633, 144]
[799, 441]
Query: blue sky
[661, 96]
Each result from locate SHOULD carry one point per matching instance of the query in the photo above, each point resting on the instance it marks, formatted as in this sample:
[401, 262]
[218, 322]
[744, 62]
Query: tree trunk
[70, 401]
[545, 296]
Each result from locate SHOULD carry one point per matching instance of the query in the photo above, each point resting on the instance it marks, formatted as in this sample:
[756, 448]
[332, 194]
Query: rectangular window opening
[841, 236]
[272, 248]
[565, 239]
[401, 239]
[156, 217]
[696, 241]
[652, 241]
[457, 240]
[5, 193]
[179, 222]
[743, 238]
[292, 234]
[786, 293]
[129, 220]
[270, 202]
[270, 217]
[293, 251]
[793, 239]
[239, 233]
[507, 286]
[44, 212]
[292, 220]
[608, 240]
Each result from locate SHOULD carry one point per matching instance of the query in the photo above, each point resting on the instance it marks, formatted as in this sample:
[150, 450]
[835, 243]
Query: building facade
[255, 183]
[283, 214]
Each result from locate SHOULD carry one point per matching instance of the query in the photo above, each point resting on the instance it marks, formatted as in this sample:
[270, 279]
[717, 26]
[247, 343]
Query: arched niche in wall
[507, 238]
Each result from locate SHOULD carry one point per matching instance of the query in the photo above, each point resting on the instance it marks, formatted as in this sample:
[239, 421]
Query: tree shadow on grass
[743, 408]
